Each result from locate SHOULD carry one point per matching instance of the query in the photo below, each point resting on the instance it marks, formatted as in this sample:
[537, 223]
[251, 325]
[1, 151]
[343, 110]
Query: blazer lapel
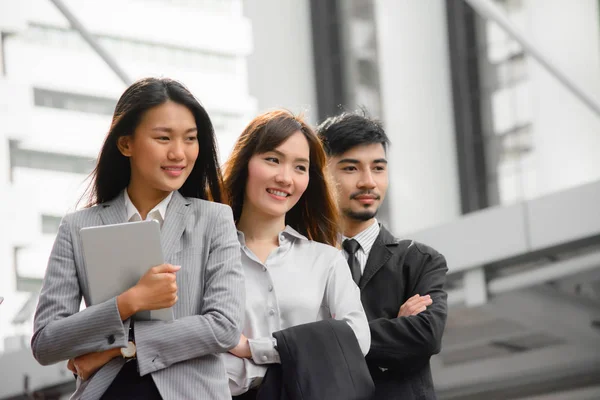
[174, 224]
[380, 253]
[113, 211]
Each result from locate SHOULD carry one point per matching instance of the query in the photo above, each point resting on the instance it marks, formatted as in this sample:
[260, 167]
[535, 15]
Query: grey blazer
[180, 355]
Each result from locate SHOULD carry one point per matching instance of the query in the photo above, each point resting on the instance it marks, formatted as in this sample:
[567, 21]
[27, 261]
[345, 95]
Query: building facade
[493, 161]
[57, 97]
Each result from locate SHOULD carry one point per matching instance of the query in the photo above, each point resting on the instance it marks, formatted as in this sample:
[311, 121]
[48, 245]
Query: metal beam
[584, 393]
[556, 223]
[91, 40]
[536, 310]
[2, 56]
[475, 287]
[15, 365]
[328, 55]
[470, 107]
[544, 309]
[488, 10]
[456, 297]
[521, 374]
[554, 271]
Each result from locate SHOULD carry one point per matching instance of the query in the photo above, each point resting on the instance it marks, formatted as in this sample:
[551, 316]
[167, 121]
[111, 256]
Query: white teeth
[173, 169]
[277, 193]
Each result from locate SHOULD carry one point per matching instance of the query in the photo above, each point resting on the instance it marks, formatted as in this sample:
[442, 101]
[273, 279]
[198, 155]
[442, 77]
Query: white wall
[281, 68]
[159, 21]
[417, 113]
[566, 132]
[7, 274]
[40, 56]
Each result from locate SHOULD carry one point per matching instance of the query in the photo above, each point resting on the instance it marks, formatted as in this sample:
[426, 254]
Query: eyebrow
[298, 159]
[170, 130]
[355, 161]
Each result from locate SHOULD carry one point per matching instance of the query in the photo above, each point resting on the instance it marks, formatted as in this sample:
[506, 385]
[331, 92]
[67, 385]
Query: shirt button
[264, 358]
[271, 312]
[270, 288]
[111, 339]
[264, 268]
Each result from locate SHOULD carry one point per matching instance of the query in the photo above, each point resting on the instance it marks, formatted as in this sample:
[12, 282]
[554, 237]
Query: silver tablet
[116, 257]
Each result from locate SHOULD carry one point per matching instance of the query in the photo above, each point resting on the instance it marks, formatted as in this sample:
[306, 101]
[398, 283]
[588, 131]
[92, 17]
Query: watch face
[128, 351]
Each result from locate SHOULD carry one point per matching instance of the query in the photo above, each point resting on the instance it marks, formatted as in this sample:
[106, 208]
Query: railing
[488, 10]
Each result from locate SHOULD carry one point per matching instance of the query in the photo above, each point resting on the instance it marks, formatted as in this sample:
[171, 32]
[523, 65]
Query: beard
[360, 215]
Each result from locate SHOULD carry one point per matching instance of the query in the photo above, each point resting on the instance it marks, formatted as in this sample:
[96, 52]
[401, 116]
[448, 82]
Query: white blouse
[302, 281]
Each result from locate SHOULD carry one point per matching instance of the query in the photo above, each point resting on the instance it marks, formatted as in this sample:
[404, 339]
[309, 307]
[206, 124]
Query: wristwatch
[129, 351]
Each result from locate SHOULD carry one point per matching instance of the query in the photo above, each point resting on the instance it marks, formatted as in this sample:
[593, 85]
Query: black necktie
[351, 246]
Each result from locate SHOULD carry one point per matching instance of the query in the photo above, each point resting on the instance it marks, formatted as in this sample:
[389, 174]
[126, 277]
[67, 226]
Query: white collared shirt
[366, 240]
[302, 281]
[157, 213]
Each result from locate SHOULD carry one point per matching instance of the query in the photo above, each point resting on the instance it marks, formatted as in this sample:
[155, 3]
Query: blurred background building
[494, 161]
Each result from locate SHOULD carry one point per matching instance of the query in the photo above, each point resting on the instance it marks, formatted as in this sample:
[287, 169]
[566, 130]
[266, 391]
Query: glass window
[221, 7]
[73, 101]
[50, 224]
[25, 284]
[134, 49]
[26, 158]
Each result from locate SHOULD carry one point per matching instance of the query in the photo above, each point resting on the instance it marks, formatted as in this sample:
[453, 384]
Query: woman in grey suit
[159, 161]
[287, 226]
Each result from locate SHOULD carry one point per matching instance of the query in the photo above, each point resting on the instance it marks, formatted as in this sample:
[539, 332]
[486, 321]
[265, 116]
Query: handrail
[91, 40]
[488, 10]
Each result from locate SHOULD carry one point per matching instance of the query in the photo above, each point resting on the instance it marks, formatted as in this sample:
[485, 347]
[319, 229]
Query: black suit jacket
[319, 360]
[395, 271]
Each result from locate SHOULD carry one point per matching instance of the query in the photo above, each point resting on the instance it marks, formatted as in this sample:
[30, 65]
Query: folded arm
[242, 372]
[218, 326]
[407, 343]
[264, 350]
[61, 331]
[342, 298]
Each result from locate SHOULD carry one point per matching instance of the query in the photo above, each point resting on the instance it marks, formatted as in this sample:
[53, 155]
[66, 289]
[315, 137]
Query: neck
[144, 199]
[259, 228]
[353, 227]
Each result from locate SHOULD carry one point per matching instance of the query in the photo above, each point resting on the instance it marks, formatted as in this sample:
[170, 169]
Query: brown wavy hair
[315, 215]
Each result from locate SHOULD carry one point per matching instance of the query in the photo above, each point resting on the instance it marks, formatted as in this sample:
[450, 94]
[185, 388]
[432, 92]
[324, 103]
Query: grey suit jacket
[181, 355]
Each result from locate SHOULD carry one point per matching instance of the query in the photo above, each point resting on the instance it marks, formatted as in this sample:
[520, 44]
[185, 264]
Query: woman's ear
[124, 145]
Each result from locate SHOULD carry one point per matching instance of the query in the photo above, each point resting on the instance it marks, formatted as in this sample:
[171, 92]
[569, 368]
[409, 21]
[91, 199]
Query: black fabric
[351, 246]
[129, 385]
[249, 395]
[395, 271]
[319, 360]
[131, 332]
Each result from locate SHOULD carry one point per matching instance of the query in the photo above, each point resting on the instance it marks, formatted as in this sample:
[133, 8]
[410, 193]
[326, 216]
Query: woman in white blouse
[287, 227]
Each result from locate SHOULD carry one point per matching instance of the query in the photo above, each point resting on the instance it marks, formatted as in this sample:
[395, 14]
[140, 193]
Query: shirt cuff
[264, 351]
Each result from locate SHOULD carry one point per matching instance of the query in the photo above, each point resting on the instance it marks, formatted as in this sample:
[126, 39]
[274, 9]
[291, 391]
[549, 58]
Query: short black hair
[350, 129]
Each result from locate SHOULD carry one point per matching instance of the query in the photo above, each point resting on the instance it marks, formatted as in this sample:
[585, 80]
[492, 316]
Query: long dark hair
[315, 215]
[113, 170]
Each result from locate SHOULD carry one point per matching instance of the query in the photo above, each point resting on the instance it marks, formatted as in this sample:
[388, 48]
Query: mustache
[354, 195]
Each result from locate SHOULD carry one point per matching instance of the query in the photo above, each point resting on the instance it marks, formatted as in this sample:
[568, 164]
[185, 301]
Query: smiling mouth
[173, 168]
[278, 193]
